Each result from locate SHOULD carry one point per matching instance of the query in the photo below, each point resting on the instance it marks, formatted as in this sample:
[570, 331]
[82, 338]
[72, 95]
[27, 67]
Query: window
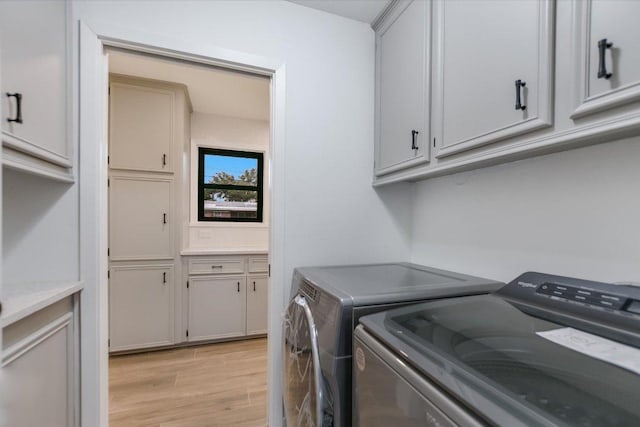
[229, 185]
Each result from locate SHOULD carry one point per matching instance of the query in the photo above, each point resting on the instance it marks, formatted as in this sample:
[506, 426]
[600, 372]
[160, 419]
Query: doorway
[198, 277]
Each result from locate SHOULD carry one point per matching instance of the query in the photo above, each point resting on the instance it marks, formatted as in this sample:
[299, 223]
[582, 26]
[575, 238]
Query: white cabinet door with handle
[606, 62]
[140, 306]
[402, 87]
[493, 71]
[142, 126]
[35, 83]
[216, 307]
[257, 304]
[141, 222]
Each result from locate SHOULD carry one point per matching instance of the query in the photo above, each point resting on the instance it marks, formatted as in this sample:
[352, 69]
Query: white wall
[214, 131]
[573, 213]
[332, 215]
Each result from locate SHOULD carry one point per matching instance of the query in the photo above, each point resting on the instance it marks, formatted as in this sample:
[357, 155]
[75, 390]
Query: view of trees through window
[230, 185]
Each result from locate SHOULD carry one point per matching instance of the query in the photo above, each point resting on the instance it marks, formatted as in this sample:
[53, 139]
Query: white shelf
[22, 299]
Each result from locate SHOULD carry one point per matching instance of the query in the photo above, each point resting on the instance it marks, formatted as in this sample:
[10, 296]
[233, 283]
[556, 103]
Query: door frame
[92, 114]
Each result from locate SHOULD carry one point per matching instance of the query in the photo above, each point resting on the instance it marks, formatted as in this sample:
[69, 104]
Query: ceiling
[212, 90]
[360, 10]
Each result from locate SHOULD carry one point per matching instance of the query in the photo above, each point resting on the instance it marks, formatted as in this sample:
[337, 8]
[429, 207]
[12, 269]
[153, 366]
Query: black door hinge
[108, 274]
[269, 270]
[108, 252]
[108, 182]
[108, 159]
[187, 333]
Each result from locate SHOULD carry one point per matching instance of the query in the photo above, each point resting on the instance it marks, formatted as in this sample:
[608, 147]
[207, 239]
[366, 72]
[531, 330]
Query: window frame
[202, 152]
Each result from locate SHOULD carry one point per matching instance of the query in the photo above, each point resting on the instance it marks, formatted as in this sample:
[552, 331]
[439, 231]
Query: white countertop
[22, 299]
[231, 251]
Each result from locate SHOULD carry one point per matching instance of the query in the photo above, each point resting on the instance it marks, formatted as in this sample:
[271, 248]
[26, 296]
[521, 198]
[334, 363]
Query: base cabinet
[257, 306]
[227, 297]
[216, 307]
[140, 306]
[39, 382]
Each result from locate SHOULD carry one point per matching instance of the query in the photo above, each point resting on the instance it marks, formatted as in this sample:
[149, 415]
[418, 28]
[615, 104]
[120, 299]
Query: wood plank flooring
[212, 385]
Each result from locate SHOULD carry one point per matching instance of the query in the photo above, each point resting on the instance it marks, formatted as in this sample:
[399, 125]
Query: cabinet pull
[164, 218]
[603, 45]
[238, 286]
[414, 135]
[164, 160]
[164, 277]
[519, 85]
[216, 266]
[18, 97]
[254, 286]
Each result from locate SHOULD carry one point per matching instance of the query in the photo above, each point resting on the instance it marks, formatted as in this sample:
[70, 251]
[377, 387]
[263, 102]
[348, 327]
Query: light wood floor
[213, 385]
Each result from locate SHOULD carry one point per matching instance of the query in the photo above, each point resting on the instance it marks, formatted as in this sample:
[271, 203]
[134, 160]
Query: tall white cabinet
[39, 322]
[147, 132]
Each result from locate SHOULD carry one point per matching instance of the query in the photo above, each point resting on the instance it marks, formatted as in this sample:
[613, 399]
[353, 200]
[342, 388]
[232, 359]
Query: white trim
[20, 144]
[33, 340]
[93, 192]
[31, 164]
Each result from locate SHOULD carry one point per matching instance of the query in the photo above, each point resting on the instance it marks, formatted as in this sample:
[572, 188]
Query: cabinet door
[142, 127]
[482, 48]
[402, 88]
[140, 218]
[612, 24]
[257, 304]
[33, 40]
[140, 306]
[216, 307]
[38, 384]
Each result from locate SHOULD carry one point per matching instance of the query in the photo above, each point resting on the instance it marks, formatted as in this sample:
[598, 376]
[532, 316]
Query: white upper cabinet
[402, 87]
[35, 87]
[141, 218]
[493, 69]
[142, 127]
[606, 56]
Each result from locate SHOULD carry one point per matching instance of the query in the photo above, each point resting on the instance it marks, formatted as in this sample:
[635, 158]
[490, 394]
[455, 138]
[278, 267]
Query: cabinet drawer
[217, 266]
[258, 264]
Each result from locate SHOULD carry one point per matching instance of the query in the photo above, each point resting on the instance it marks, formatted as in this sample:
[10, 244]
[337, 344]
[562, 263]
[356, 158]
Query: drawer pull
[18, 97]
[164, 160]
[238, 286]
[414, 135]
[164, 277]
[254, 286]
[603, 45]
[216, 266]
[519, 85]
